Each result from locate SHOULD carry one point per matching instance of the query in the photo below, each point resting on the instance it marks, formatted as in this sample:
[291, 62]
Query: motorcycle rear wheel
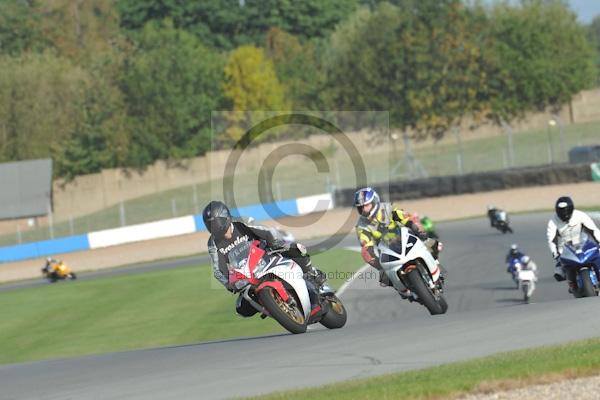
[290, 317]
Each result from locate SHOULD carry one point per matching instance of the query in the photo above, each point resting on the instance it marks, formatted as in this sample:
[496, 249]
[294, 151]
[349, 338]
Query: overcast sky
[586, 9]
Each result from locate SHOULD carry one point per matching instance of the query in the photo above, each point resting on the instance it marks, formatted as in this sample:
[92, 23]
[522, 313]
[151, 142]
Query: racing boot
[317, 310]
[559, 273]
[434, 246]
[443, 272]
[384, 280]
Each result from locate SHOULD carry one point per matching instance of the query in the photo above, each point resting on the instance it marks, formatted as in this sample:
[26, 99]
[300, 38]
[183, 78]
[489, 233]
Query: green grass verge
[506, 370]
[184, 305]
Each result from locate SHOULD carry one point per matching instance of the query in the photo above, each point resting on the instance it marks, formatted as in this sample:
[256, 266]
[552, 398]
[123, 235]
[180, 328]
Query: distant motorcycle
[58, 270]
[584, 258]
[500, 222]
[526, 279]
[514, 266]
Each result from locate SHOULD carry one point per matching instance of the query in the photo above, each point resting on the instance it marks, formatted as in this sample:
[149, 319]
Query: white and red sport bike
[275, 286]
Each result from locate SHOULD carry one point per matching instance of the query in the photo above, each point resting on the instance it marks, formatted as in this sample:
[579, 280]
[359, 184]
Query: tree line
[123, 83]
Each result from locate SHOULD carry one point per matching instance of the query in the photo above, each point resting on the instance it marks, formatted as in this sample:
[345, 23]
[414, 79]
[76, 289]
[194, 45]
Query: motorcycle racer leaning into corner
[566, 226]
[378, 218]
[48, 269]
[231, 236]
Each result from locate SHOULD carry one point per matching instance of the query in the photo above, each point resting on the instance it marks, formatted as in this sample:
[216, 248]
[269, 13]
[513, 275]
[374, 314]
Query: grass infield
[169, 307]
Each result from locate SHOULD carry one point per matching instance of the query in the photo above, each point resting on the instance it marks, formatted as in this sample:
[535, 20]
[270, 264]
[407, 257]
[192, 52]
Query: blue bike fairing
[586, 254]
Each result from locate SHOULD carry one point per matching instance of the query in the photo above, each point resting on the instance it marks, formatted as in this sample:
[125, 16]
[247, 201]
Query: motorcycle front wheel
[525, 288]
[288, 315]
[336, 316]
[417, 285]
[588, 289]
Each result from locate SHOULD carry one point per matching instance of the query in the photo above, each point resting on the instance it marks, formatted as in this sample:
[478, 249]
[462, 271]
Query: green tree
[39, 94]
[251, 84]
[100, 137]
[227, 24]
[76, 29]
[20, 27]
[171, 84]
[540, 58]
[297, 67]
[420, 62]
[594, 32]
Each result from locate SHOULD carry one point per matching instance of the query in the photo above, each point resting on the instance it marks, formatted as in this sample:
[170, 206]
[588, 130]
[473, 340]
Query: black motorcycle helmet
[564, 208]
[217, 218]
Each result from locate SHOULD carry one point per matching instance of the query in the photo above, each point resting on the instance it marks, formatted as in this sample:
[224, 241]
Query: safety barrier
[475, 183]
[160, 229]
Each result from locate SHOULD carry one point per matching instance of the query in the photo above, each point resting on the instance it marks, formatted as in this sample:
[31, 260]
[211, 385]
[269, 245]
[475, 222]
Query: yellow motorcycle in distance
[57, 270]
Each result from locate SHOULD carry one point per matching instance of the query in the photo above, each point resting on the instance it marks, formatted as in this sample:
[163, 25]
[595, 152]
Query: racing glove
[301, 248]
[230, 288]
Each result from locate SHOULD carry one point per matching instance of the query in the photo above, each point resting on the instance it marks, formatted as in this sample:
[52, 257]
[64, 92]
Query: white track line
[342, 288]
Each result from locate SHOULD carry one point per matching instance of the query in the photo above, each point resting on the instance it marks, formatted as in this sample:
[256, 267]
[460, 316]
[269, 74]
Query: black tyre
[290, 317]
[336, 316]
[525, 287]
[588, 289]
[72, 275]
[443, 304]
[417, 285]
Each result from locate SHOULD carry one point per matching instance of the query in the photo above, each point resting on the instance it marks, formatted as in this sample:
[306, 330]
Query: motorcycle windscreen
[238, 260]
[395, 243]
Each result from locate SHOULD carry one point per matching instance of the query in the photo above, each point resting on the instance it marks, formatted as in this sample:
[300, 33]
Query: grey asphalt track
[384, 334]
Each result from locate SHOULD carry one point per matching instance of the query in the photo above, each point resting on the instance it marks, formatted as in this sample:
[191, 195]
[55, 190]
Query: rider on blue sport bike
[565, 227]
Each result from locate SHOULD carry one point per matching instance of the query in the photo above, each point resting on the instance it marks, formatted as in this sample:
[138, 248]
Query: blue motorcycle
[584, 258]
[514, 265]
